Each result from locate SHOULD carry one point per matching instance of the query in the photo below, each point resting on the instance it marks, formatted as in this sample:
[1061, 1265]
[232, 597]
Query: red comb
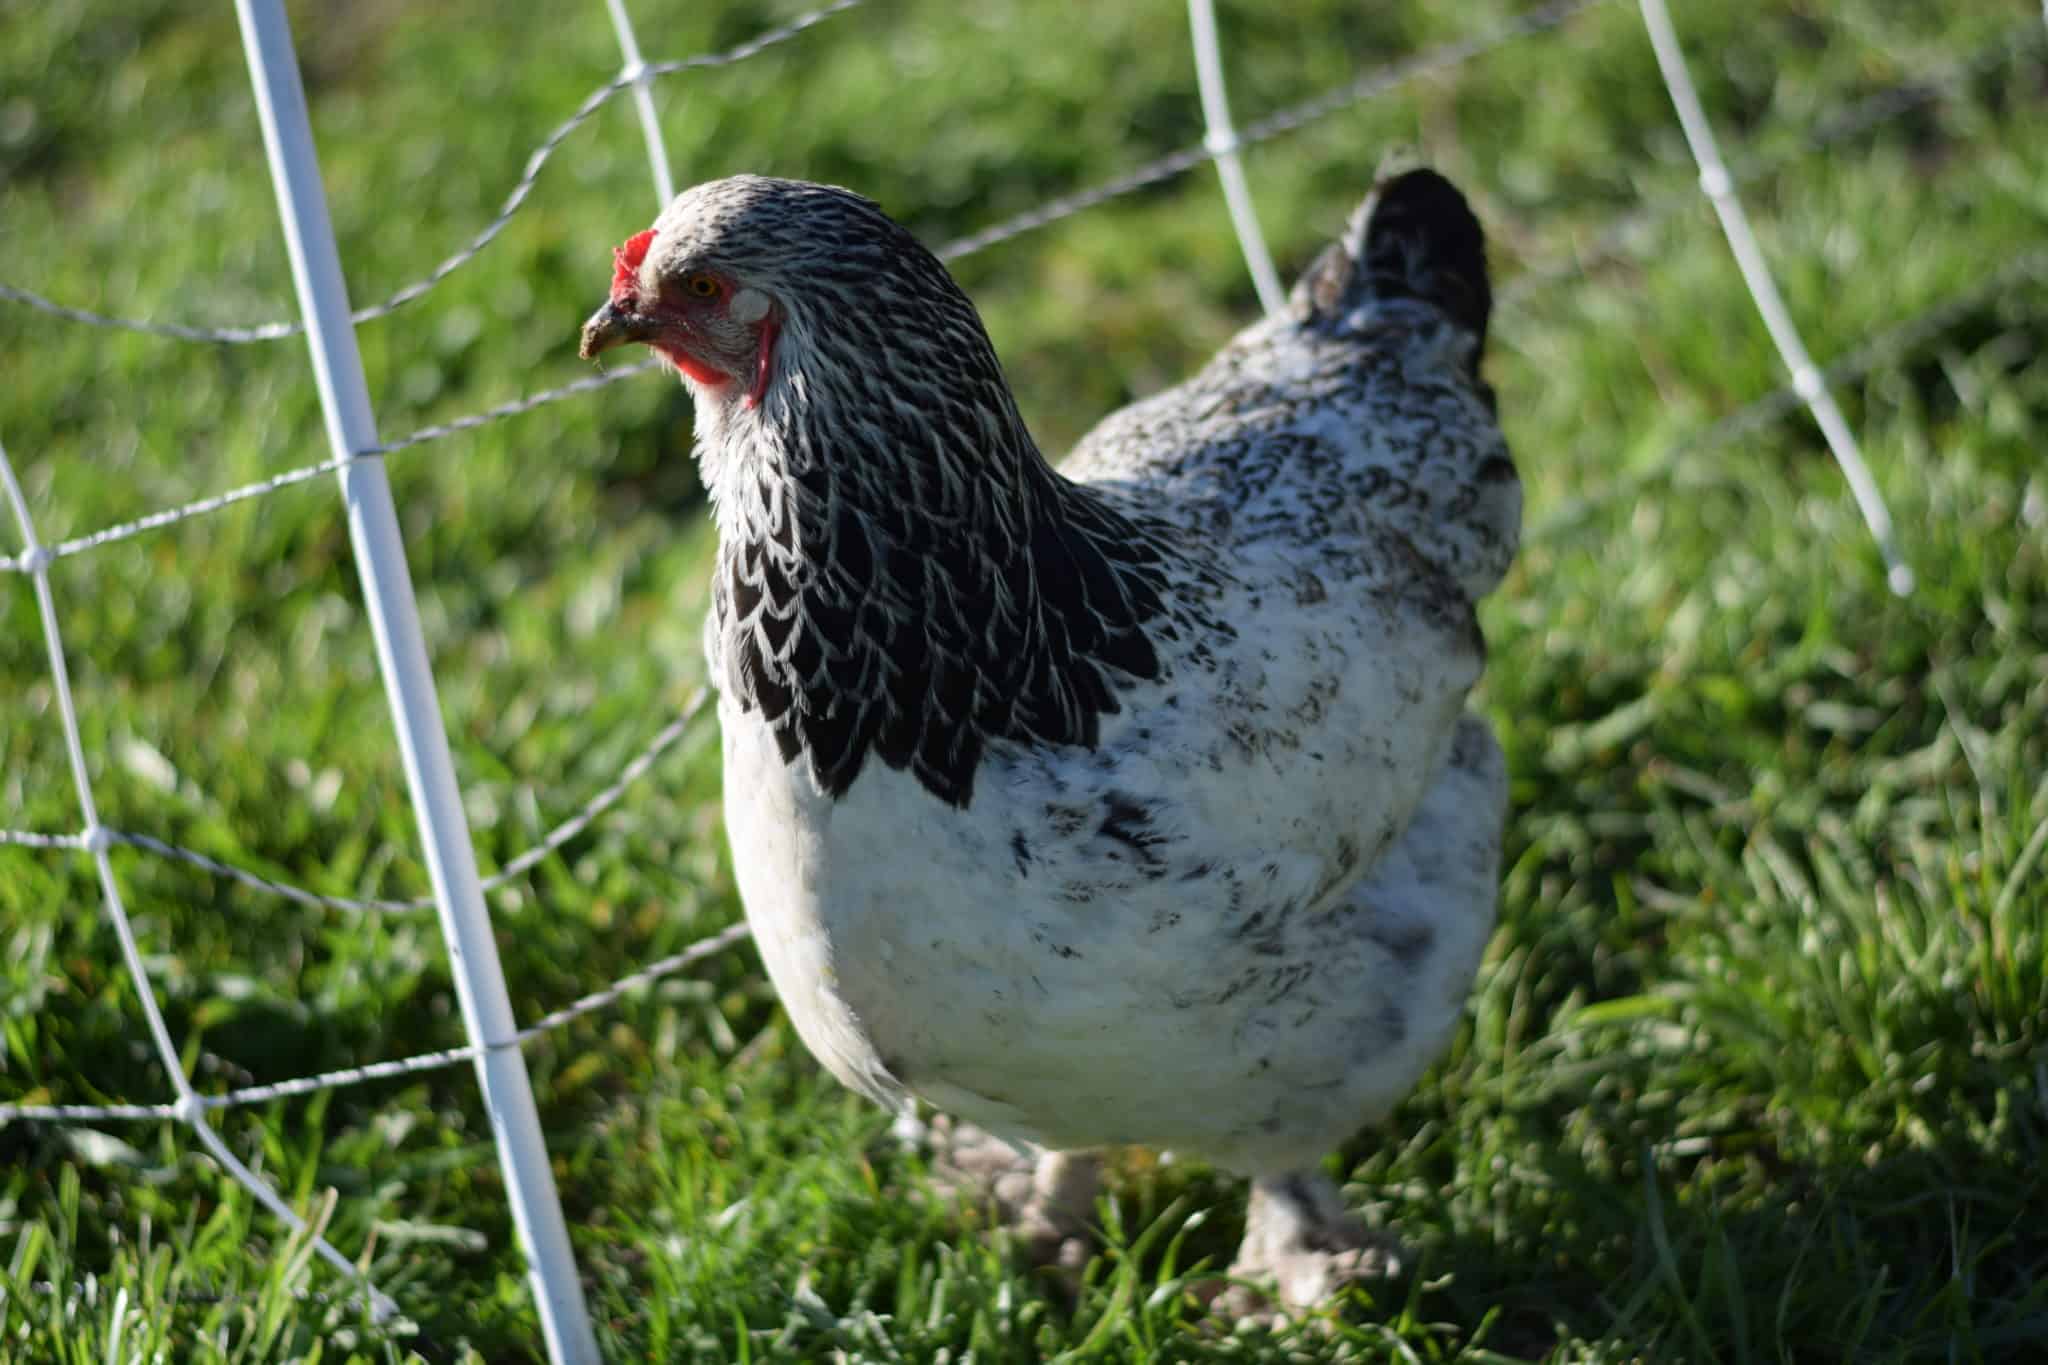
[626, 262]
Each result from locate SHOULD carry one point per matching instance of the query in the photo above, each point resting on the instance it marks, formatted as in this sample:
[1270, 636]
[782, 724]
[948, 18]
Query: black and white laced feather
[902, 575]
[1134, 801]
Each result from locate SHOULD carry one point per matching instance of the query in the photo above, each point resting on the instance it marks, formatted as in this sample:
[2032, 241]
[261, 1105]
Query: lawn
[1757, 1064]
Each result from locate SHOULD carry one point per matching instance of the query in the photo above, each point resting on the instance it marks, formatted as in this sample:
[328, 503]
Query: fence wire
[635, 768]
[1378, 81]
[1883, 348]
[655, 971]
[186, 1106]
[635, 73]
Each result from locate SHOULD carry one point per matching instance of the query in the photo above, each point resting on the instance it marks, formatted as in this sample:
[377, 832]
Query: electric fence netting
[357, 457]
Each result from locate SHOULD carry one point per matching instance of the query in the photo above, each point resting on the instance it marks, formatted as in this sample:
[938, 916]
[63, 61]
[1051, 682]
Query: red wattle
[691, 366]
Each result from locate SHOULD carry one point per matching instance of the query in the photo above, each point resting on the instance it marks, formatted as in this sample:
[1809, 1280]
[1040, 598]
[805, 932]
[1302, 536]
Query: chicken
[1132, 803]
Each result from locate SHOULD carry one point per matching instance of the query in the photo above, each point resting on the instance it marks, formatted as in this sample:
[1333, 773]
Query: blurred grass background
[1758, 1064]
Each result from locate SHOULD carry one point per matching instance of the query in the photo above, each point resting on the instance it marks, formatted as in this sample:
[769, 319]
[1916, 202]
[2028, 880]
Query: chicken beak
[612, 326]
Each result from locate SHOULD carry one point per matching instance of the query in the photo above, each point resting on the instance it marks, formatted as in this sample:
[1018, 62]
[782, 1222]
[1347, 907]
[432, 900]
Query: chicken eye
[703, 286]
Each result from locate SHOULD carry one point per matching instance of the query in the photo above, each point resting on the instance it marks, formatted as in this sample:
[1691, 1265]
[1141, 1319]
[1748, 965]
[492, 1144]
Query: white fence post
[1222, 143]
[409, 683]
[1719, 187]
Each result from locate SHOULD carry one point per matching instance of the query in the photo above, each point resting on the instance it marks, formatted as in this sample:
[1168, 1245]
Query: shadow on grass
[1915, 1256]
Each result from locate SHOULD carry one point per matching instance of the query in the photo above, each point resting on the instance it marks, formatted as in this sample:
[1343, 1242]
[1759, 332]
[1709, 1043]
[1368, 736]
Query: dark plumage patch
[1065, 820]
[1414, 238]
[914, 590]
[1285, 979]
[1128, 821]
[1421, 241]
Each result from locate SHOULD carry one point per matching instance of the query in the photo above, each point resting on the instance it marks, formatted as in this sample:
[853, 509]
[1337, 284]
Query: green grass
[1757, 1066]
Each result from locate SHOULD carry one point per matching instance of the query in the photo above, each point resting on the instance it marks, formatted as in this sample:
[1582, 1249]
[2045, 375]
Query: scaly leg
[1046, 1198]
[1299, 1239]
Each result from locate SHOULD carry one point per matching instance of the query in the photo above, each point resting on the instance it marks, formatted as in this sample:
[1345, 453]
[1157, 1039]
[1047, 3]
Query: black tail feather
[1413, 238]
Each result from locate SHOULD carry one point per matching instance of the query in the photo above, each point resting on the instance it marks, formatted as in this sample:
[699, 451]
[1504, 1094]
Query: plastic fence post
[1719, 187]
[643, 100]
[409, 684]
[1222, 142]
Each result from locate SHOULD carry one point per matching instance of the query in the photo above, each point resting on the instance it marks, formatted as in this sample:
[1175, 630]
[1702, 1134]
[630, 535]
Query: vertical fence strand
[643, 100]
[1221, 141]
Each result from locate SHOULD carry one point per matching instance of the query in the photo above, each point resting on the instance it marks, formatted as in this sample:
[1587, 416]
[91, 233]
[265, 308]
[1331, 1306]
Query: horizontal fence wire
[634, 769]
[156, 521]
[596, 100]
[1849, 121]
[1373, 83]
[28, 838]
[653, 972]
[1882, 348]
[1854, 119]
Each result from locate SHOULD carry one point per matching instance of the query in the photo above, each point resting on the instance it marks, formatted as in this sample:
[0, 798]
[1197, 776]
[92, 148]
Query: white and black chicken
[1134, 801]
